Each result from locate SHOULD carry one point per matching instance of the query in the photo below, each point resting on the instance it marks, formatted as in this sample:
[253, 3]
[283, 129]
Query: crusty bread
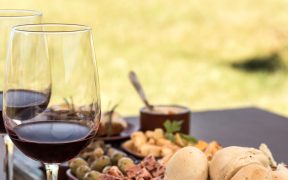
[241, 163]
[188, 163]
[228, 161]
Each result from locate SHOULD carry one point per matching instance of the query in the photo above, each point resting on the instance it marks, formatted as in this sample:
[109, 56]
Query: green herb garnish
[189, 138]
[171, 127]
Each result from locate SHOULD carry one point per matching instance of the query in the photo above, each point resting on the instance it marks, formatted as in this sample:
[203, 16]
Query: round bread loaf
[188, 163]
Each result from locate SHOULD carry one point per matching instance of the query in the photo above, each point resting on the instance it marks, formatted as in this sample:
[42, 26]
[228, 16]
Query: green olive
[116, 156]
[75, 163]
[81, 171]
[98, 152]
[92, 175]
[125, 163]
[100, 163]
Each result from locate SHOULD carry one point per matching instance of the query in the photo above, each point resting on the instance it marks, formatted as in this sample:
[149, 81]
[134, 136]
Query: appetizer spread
[100, 161]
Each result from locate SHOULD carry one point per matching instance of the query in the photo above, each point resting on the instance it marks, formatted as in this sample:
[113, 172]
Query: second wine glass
[51, 93]
[8, 19]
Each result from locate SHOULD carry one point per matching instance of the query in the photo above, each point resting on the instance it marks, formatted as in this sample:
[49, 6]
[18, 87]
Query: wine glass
[51, 96]
[8, 19]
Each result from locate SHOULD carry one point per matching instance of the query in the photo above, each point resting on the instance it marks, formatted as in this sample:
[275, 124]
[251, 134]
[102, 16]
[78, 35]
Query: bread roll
[228, 161]
[188, 163]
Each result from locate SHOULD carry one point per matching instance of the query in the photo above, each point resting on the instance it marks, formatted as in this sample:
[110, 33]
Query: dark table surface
[241, 127]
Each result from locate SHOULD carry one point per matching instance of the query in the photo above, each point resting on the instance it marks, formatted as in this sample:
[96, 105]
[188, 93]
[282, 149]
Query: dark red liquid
[51, 141]
[25, 104]
[2, 128]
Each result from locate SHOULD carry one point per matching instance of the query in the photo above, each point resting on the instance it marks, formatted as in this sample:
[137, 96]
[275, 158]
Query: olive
[92, 156]
[98, 152]
[116, 156]
[75, 163]
[81, 171]
[125, 163]
[92, 175]
[100, 163]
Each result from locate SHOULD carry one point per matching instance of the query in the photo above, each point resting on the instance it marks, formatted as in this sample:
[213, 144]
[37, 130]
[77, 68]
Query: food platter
[139, 145]
[205, 125]
[193, 160]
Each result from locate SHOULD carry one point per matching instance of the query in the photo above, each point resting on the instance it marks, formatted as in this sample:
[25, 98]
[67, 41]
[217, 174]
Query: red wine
[51, 141]
[25, 104]
[2, 127]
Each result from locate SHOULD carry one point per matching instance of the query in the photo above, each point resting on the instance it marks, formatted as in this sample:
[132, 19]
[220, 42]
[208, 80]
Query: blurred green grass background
[203, 54]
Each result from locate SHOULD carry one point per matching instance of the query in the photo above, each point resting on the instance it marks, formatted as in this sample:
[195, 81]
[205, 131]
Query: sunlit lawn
[181, 50]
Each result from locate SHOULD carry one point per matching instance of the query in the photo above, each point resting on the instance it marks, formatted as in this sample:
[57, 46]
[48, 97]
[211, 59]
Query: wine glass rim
[30, 28]
[17, 13]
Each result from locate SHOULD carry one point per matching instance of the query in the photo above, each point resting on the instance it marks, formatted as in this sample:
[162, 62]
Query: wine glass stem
[9, 149]
[52, 171]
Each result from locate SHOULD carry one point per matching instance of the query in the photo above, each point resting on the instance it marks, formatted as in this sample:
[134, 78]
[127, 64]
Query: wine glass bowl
[51, 97]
